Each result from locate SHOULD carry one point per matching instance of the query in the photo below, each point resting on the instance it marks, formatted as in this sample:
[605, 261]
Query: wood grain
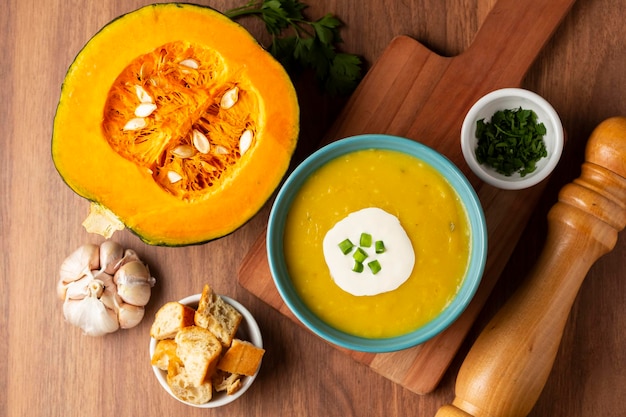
[49, 368]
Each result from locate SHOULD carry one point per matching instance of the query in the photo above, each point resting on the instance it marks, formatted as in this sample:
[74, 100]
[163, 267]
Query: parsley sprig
[299, 43]
[511, 142]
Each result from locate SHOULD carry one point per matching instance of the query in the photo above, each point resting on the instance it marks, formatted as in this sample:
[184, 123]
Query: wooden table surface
[49, 368]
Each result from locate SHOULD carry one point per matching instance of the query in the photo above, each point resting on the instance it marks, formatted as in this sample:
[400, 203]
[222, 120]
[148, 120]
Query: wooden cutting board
[412, 92]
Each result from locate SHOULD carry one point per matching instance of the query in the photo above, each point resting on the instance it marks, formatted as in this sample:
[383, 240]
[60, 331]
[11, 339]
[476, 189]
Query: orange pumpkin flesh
[140, 128]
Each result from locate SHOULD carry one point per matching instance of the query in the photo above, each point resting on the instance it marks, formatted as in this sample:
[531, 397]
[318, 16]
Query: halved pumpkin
[177, 121]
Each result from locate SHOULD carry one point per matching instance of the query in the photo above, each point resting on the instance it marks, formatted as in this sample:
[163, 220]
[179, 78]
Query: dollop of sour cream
[396, 262]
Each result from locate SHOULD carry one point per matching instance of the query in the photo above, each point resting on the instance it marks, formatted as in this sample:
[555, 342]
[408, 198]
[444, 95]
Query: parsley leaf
[300, 44]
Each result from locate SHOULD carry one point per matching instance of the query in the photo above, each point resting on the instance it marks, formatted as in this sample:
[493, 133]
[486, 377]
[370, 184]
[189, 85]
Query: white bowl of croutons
[205, 349]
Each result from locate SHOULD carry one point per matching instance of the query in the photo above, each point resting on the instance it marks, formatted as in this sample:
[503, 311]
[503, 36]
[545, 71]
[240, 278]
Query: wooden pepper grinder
[508, 365]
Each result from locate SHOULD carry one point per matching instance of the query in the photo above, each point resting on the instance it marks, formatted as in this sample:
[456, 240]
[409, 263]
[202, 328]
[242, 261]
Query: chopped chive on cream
[346, 246]
[359, 255]
[366, 240]
[374, 266]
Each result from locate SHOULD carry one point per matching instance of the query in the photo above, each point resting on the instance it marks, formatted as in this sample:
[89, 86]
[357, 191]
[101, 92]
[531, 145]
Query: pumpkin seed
[200, 142]
[143, 95]
[135, 124]
[145, 109]
[229, 98]
[189, 63]
[245, 141]
[183, 151]
[174, 176]
[220, 150]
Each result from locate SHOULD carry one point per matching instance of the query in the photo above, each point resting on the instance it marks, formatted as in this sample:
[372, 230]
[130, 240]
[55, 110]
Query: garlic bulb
[104, 288]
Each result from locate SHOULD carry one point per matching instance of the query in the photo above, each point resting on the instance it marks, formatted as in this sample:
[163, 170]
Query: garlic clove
[90, 314]
[78, 289]
[109, 296]
[134, 283]
[129, 256]
[137, 294]
[76, 265]
[111, 253]
[129, 315]
[104, 277]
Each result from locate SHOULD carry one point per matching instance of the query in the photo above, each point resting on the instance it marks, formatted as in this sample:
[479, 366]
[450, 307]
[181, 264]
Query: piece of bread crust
[224, 381]
[199, 350]
[217, 316]
[164, 353]
[179, 382]
[170, 318]
[242, 358]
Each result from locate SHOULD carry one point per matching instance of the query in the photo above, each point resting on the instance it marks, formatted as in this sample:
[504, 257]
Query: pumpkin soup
[374, 186]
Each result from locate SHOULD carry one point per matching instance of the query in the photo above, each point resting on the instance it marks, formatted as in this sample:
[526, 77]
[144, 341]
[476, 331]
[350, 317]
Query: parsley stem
[242, 11]
[250, 8]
